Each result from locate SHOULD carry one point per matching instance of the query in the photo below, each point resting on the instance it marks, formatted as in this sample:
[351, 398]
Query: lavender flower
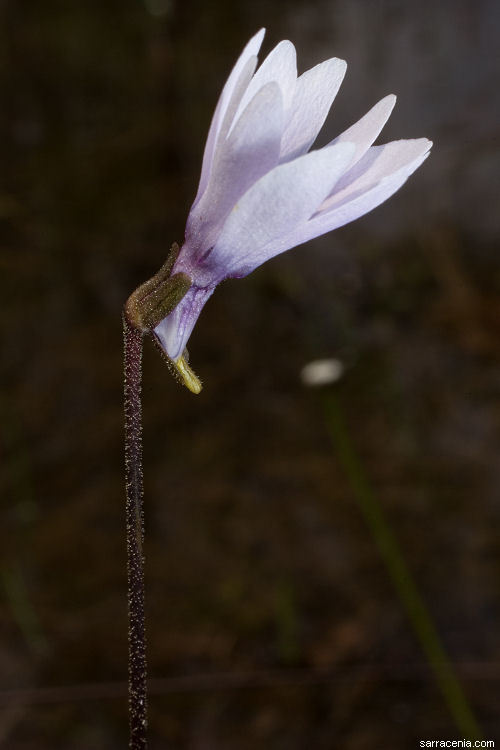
[262, 191]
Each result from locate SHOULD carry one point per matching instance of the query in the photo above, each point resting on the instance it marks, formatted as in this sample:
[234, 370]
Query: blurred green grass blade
[403, 581]
[286, 622]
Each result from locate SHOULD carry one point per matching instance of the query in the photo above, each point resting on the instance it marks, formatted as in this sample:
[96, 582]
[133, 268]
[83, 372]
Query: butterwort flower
[263, 191]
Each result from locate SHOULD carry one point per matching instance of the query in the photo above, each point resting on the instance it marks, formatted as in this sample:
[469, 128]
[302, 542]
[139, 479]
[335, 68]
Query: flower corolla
[263, 191]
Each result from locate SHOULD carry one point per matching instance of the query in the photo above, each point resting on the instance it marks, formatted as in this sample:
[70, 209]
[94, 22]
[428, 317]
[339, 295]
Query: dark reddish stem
[135, 535]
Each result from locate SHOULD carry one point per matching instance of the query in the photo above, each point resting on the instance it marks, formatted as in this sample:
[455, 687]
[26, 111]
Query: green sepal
[157, 297]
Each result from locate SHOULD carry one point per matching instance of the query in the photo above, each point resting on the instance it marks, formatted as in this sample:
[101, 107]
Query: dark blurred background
[273, 622]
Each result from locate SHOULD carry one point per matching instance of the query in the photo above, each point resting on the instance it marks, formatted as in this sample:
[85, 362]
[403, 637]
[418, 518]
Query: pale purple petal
[352, 207]
[174, 331]
[281, 66]
[364, 132]
[314, 93]
[250, 151]
[377, 163]
[282, 199]
[234, 103]
[251, 51]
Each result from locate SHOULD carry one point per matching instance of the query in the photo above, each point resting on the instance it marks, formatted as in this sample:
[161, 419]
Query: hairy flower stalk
[262, 191]
[145, 307]
[135, 534]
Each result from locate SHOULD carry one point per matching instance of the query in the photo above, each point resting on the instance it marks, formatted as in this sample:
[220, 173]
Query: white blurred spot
[321, 372]
[158, 8]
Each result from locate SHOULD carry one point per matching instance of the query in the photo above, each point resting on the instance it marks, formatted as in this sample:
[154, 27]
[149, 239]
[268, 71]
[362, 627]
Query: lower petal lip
[174, 331]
